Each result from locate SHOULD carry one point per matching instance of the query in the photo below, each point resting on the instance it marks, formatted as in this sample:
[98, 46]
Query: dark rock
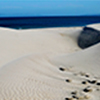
[68, 98]
[98, 83]
[88, 37]
[84, 82]
[62, 69]
[74, 93]
[75, 97]
[87, 75]
[67, 80]
[87, 90]
[92, 82]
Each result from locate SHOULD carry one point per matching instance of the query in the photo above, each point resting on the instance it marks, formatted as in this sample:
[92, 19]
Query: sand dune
[85, 60]
[85, 63]
[95, 26]
[47, 64]
[34, 77]
[18, 43]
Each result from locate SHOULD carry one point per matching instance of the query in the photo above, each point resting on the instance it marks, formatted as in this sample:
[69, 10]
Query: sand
[18, 43]
[95, 26]
[47, 64]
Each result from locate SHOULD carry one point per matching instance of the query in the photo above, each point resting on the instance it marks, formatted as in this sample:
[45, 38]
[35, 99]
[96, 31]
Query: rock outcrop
[88, 37]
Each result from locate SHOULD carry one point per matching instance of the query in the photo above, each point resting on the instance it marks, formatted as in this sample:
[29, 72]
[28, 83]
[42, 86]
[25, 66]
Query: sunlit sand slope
[35, 77]
[85, 60]
[18, 43]
[95, 26]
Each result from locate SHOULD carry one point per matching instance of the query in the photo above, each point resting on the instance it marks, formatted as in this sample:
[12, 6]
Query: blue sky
[48, 7]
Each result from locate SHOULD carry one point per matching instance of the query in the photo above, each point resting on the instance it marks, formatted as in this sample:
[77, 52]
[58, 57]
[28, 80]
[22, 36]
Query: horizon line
[49, 16]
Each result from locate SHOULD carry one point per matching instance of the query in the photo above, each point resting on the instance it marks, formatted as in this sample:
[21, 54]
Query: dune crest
[95, 26]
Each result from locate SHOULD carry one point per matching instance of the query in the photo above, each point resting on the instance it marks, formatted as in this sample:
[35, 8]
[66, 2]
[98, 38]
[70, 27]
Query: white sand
[95, 26]
[18, 43]
[35, 57]
[90, 57]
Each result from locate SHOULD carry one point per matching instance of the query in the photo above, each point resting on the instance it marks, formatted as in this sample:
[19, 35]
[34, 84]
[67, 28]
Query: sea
[47, 22]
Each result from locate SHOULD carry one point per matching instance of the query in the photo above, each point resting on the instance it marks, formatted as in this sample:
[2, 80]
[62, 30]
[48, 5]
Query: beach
[48, 64]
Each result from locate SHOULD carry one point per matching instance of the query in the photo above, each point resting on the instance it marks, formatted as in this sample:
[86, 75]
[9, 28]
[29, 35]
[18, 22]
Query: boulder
[88, 37]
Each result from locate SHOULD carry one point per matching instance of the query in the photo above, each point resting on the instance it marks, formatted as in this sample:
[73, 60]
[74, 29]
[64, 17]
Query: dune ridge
[18, 43]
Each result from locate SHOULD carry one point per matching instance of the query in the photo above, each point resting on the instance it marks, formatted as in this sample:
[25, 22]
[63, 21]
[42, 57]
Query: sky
[14, 8]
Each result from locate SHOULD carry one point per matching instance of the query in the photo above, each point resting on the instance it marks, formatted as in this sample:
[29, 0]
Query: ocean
[47, 22]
